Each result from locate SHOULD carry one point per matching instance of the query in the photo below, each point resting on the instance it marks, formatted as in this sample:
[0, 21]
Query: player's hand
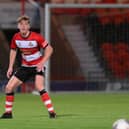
[9, 72]
[39, 67]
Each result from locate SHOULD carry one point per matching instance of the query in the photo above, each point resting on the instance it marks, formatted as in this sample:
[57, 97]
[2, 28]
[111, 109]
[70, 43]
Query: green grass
[74, 110]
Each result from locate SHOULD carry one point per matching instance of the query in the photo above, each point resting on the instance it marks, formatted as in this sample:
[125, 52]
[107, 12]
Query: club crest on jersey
[30, 44]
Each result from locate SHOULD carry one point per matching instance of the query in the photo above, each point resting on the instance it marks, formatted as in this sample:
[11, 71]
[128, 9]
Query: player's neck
[25, 34]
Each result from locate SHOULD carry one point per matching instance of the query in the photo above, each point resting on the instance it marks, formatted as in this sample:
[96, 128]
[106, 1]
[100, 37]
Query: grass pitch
[74, 111]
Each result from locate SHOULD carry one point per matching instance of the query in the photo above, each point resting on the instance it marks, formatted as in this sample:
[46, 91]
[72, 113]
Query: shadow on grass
[66, 115]
[61, 115]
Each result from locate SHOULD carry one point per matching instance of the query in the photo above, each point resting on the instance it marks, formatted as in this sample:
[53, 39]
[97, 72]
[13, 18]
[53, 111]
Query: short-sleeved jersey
[29, 47]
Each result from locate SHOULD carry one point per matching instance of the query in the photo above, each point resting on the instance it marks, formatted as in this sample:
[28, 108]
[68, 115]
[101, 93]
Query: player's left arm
[48, 50]
[47, 53]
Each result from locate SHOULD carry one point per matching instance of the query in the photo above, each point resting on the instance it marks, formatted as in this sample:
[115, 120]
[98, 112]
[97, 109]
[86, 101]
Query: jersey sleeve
[13, 43]
[42, 42]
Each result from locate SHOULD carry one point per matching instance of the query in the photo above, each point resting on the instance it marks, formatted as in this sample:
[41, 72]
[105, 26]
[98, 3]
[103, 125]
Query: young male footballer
[33, 62]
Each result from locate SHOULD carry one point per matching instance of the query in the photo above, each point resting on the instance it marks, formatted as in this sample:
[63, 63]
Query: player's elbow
[51, 50]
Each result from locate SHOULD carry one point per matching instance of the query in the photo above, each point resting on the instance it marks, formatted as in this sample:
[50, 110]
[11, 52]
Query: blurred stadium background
[91, 45]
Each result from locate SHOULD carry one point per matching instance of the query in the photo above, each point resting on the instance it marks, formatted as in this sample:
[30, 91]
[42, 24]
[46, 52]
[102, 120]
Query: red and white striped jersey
[29, 47]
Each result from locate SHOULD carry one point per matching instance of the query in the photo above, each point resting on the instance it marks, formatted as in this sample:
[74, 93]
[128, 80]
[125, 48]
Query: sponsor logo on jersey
[26, 44]
[19, 44]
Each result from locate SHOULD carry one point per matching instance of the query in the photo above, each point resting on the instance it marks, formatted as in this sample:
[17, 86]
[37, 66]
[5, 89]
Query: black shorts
[25, 73]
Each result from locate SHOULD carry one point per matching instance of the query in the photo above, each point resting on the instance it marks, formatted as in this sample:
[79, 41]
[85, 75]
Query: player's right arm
[12, 58]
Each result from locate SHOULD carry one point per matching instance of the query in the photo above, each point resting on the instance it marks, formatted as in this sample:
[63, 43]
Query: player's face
[23, 27]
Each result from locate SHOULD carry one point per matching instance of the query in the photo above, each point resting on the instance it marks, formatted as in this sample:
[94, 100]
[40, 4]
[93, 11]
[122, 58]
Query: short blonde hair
[23, 17]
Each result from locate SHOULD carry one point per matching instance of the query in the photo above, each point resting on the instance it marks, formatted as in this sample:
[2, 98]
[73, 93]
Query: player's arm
[47, 53]
[12, 58]
[48, 50]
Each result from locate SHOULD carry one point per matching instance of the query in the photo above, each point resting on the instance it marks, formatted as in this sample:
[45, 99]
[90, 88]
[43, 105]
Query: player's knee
[39, 87]
[8, 89]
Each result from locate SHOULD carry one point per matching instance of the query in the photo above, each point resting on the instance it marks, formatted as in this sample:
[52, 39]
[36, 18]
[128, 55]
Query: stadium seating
[120, 46]
[103, 15]
[97, 1]
[117, 16]
[8, 0]
[108, 52]
[57, 10]
[65, 10]
[83, 1]
[117, 58]
[84, 11]
[56, 1]
[122, 1]
[118, 70]
[76, 1]
[110, 1]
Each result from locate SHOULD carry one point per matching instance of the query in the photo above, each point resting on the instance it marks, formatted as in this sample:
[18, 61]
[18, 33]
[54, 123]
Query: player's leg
[9, 90]
[20, 76]
[39, 83]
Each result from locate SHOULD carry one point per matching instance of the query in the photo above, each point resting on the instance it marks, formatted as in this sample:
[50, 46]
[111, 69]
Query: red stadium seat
[122, 56]
[126, 14]
[103, 15]
[110, 1]
[117, 15]
[57, 1]
[71, 11]
[121, 46]
[109, 56]
[122, 52]
[98, 1]
[123, 1]
[125, 11]
[57, 10]
[113, 59]
[117, 69]
[107, 46]
[66, 10]
[83, 1]
[126, 67]
[108, 52]
[84, 11]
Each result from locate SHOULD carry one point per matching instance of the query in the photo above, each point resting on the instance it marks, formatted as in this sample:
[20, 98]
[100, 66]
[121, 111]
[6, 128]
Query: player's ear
[18, 26]
[29, 26]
